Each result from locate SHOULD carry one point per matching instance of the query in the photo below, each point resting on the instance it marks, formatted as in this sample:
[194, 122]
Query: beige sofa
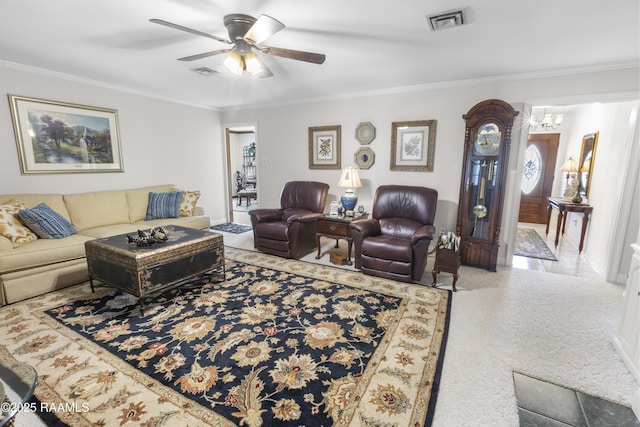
[45, 265]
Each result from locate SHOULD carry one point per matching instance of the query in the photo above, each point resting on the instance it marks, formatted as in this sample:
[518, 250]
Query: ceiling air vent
[446, 20]
[205, 71]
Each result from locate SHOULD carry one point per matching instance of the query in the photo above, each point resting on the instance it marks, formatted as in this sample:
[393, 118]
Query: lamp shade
[252, 64]
[569, 166]
[233, 63]
[350, 178]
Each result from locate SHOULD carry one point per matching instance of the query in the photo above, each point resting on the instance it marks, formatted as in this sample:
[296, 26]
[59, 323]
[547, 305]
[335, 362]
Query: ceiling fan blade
[315, 58]
[204, 55]
[266, 72]
[262, 29]
[188, 30]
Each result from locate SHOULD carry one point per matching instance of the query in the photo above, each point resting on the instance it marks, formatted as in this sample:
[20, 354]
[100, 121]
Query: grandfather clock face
[487, 141]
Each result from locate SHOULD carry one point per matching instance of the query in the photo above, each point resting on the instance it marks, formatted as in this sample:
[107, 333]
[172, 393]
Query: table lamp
[350, 179]
[570, 189]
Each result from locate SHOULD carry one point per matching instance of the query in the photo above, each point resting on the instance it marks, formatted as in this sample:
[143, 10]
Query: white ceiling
[372, 46]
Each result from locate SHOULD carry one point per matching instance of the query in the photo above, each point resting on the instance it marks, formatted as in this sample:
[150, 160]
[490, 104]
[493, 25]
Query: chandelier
[549, 121]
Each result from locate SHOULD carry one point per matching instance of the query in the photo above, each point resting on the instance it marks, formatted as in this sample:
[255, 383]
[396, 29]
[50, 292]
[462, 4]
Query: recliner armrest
[366, 227]
[267, 215]
[303, 217]
[424, 232]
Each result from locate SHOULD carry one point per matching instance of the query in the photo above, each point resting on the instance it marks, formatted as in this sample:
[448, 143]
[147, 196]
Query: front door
[537, 179]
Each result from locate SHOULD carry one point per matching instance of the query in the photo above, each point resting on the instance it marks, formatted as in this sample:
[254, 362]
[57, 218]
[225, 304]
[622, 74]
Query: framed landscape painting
[58, 137]
[413, 145]
[324, 147]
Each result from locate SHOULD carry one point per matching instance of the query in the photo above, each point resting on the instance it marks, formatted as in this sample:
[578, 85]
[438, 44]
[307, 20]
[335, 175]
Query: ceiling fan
[246, 35]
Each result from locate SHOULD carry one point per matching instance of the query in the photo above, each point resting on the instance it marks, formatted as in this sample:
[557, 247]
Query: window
[532, 169]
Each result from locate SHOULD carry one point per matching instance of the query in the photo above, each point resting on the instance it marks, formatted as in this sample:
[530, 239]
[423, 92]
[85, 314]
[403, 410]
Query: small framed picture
[413, 145]
[324, 147]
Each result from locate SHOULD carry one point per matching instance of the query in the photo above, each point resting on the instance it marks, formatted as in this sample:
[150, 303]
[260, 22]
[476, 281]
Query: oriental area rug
[529, 244]
[279, 342]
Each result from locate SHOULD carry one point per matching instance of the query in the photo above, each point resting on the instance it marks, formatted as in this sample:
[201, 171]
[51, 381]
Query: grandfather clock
[487, 139]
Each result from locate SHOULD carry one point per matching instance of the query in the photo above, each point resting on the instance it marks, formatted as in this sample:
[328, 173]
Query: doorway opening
[242, 172]
[606, 246]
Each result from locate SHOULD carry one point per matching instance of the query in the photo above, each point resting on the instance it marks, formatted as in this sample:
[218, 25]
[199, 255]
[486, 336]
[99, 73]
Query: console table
[564, 207]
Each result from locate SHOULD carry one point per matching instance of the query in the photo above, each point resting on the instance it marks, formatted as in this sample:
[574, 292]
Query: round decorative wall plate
[364, 158]
[365, 133]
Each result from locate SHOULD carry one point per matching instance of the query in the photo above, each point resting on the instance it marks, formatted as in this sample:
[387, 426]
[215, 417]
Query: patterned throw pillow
[10, 225]
[188, 202]
[47, 223]
[163, 205]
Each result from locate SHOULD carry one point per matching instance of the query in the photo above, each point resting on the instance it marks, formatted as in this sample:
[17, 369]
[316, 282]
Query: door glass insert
[532, 169]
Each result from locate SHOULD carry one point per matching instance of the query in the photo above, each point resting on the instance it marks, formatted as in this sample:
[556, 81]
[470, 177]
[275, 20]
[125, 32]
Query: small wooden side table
[337, 227]
[564, 208]
[447, 261]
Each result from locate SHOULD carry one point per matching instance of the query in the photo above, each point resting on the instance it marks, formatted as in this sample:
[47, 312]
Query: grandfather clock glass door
[487, 141]
[481, 191]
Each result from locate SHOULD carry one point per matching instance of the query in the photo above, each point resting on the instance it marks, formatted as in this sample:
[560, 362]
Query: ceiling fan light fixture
[245, 34]
[444, 20]
[234, 63]
[252, 64]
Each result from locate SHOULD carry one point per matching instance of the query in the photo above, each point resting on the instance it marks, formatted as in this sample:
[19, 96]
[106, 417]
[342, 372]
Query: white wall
[162, 142]
[282, 132]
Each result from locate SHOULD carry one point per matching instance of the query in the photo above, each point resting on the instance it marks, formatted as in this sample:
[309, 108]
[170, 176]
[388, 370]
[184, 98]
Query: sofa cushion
[112, 230]
[5, 244]
[46, 223]
[197, 222]
[163, 205]
[10, 225]
[54, 201]
[43, 252]
[95, 209]
[188, 202]
[138, 200]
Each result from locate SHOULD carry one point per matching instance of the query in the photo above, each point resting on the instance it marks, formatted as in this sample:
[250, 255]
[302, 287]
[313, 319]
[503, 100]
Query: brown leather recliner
[394, 242]
[290, 231]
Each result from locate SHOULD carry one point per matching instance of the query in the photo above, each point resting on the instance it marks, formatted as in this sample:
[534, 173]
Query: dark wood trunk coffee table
[142, 271]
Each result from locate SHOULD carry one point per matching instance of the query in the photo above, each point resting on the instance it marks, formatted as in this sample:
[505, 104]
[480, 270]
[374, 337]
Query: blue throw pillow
[46, 223]
[163, 205]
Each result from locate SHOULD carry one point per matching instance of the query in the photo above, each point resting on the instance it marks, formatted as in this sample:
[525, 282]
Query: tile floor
[545, 404]
[570, 262]
[541, 403]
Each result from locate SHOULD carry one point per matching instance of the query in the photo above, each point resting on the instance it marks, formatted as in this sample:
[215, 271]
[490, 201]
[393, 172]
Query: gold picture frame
[586, 161]
[60, 137]
[413, 145]
[324, 147]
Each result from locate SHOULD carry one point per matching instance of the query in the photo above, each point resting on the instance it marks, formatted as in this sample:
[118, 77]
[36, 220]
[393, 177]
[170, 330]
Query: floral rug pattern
[279, 342]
